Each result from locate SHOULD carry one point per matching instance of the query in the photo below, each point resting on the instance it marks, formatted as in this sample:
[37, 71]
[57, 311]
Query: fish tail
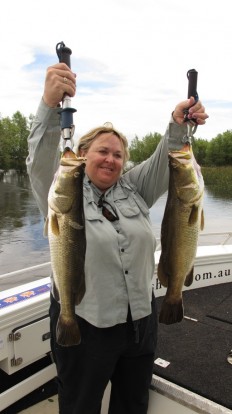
[171, 312]
[67, 331]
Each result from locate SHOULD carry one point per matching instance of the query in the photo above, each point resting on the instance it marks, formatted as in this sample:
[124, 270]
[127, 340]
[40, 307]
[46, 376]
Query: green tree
[5, 144]
[142, 149]
[200, 147]
[13, 142]
[219, 151]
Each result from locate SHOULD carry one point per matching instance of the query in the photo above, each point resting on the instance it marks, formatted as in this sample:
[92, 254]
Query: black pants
[122, 354]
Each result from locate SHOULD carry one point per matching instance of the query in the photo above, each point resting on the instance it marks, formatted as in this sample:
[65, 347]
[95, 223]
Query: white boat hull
[24, 334]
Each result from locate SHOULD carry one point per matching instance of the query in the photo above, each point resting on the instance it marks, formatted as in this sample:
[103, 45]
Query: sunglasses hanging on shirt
[109, 215]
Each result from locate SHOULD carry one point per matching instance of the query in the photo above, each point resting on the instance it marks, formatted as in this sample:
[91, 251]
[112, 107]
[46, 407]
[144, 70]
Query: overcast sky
[131, 58]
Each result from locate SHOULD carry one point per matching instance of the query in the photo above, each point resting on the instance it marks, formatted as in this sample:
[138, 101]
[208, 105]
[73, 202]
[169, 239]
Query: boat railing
[227, 236]
[27, 269]
[212, 238]
[25, 275]
[43, 269]
[220, 238]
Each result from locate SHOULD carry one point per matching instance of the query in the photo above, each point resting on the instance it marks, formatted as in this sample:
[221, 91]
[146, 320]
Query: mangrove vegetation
[209, 154]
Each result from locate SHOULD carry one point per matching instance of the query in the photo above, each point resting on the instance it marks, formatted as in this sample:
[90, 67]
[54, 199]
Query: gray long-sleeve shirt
[119, 263]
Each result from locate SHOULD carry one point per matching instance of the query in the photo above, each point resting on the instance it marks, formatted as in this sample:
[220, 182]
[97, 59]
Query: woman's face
[104, 160]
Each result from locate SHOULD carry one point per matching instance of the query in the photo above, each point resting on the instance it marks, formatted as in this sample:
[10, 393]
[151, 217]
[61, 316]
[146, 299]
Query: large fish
[183, 219]
[65, 227]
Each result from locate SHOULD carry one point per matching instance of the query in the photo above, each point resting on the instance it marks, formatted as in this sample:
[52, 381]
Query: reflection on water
[21, 225]
[217, 213]
[221, 191]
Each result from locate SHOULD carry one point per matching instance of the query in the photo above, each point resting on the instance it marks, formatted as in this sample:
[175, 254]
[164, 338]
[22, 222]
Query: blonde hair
[86, 140]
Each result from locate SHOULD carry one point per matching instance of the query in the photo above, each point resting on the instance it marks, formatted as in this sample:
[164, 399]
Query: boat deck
[196, 350]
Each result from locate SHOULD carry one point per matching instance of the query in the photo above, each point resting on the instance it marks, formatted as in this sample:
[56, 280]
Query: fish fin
[45, 230]
[80, 293]
[56, 293]
[55, 225]
[202, 220]
[193, 217]
[171, 312]
[189, 278]
[75, 225]
[61, 204]
[67, 331]
[163, 278]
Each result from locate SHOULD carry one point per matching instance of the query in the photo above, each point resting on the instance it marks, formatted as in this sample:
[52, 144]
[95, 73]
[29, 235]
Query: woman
[117, 316]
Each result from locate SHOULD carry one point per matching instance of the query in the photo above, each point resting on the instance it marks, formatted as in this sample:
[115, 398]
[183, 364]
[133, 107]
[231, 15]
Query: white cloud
[131, 58]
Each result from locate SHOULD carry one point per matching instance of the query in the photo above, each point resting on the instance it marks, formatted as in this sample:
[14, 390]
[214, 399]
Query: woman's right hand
[59, 80]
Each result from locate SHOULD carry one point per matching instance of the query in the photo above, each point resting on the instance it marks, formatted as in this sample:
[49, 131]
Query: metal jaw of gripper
[67, 126]
[191, 129]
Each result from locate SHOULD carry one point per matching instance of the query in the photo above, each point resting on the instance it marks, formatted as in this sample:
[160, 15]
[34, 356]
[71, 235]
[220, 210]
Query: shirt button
[126, 272]
[122, 250]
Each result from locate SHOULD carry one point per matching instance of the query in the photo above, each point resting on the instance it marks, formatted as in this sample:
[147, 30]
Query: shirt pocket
[131, 205]
[91, 212]
[126, 205]
[139, 201]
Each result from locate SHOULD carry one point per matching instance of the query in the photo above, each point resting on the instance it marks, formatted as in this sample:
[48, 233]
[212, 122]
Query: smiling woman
[107, 151]
[105, 160]
[117, 314]
[87, 139]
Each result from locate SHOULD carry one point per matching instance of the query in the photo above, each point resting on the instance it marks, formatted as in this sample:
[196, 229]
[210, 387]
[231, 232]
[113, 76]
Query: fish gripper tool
[192, 91]
[66, 113]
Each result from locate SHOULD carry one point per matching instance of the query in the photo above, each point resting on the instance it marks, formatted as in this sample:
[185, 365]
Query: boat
[192, 368]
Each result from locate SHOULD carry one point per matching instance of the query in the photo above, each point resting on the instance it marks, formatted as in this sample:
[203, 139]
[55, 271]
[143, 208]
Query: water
[22, 243]
[21, 226]
[217, 213]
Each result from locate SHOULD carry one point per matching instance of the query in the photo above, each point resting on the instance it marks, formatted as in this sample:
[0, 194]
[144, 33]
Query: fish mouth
[181, 157]
[70, 159]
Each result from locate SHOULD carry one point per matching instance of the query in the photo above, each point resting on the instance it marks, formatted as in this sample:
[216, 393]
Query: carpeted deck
[198, 350]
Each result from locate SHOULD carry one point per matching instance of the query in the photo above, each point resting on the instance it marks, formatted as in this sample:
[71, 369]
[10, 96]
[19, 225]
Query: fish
[65, 229]
[182, 222]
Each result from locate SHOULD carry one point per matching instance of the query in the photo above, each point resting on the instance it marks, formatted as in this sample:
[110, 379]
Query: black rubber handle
[66, 118]
[63, 53]
[192, 84]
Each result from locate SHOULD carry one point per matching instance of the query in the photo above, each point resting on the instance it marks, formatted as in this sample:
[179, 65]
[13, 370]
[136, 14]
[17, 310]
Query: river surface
[22, 243]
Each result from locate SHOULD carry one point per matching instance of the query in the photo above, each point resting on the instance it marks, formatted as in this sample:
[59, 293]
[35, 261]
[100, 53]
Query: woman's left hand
[196, 112]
